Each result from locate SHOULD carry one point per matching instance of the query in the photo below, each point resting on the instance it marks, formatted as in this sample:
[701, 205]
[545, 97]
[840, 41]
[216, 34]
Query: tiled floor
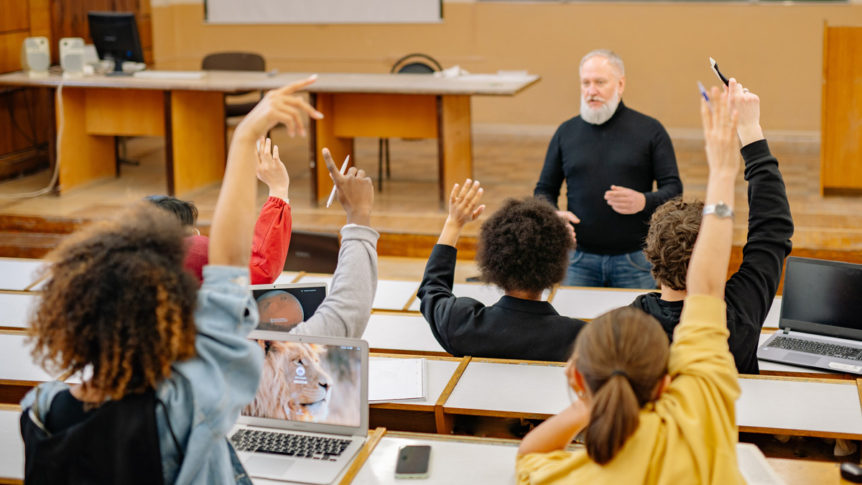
[507, 166]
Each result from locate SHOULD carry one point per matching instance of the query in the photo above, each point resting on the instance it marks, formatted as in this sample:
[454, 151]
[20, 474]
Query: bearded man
[609, 157]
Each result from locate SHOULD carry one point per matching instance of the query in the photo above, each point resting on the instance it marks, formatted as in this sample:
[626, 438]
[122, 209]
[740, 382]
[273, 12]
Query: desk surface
[438, 373]
[18, 273]
[801, 407]
[228, 81]
[15, 309]
[11, 445]
[400, 332]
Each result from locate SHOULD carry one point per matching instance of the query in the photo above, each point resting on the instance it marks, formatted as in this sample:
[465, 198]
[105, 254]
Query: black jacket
[750, 291]
[512, 328]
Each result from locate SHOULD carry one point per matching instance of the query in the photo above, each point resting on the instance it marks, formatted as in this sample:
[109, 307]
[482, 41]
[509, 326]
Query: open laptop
[312, 252]
[821, 317]
[310, 415]
[282, 306]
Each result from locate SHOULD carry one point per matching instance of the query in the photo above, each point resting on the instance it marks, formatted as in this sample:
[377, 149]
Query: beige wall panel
[776, 50]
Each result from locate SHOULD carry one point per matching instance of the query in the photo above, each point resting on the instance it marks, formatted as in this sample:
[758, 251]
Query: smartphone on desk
[413, 461]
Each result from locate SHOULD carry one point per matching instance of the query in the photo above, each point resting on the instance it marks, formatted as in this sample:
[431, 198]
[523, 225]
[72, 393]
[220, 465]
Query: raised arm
[347, 307]
[232, 226]
[707, 269]
[272, 229]
[750, 290]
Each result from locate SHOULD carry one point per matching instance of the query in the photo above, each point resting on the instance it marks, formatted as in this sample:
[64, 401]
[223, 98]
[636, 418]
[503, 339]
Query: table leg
[82, 157]
[455, 143]
[195, 134]
[323, 135]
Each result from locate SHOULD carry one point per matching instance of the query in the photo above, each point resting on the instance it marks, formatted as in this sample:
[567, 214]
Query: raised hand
[463, 208]
[719, 119]
[271, 170]
[280, 106]
[624, 200]
[747, 104]
[354, 189]
[464, 202]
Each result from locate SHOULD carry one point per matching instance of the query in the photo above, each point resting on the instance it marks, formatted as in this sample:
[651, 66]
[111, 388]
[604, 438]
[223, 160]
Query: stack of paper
[754, 467]
[394, 379]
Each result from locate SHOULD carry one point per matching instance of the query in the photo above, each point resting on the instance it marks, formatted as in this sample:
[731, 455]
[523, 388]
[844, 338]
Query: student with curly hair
[749, 292]
[655, 414]
[165, 367]
[271, 231]
[523, 249]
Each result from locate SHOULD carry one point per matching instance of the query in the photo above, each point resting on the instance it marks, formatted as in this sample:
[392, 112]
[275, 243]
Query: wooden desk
[393, 295]
[482, 461]
[441, 375]
[403, 333]
[19, 274]
[14, 309]
[189, 113]
[828, 408]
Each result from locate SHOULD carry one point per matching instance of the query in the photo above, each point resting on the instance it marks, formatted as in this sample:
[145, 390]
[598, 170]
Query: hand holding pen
[354, 189]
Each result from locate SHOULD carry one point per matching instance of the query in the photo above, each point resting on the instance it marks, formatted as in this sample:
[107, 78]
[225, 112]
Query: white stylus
[334, 187]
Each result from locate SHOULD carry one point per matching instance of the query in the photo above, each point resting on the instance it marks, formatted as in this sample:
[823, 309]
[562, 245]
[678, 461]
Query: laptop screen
[283, 306]
[309, 383]
[822, 297]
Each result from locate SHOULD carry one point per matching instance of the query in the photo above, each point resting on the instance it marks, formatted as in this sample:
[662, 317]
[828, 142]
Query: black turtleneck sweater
[750, 291]
[629, 150]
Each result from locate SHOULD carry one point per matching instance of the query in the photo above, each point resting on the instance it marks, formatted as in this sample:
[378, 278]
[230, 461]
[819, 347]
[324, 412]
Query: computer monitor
[115, 35]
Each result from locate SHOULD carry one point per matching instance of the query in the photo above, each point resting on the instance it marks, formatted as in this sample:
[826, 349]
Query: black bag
[116, 443]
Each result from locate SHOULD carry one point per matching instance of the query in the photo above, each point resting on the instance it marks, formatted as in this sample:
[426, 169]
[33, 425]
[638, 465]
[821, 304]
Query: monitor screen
[309, 383]
[115, 35]
[284, 306]
[822, 297]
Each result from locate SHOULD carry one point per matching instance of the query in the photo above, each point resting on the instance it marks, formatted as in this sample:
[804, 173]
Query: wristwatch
[721, 210]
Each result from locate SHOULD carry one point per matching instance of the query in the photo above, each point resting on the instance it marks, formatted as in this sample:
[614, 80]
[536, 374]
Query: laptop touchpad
[269, 466]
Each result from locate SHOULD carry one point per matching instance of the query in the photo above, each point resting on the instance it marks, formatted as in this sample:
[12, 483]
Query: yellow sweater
[688, 435]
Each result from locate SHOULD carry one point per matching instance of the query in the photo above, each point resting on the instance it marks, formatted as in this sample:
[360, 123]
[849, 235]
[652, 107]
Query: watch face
[722, 210]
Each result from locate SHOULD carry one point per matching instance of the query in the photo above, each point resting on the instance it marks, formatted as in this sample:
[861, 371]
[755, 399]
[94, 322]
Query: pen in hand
[703, 93]
[334, 187]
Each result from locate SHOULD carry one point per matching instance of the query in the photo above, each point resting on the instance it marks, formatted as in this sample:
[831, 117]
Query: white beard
[598, 116]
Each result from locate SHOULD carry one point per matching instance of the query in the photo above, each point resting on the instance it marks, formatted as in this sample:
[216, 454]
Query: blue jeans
[630, 270]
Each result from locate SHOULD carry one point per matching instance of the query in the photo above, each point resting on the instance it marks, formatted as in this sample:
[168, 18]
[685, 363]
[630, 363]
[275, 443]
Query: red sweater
[268, 248]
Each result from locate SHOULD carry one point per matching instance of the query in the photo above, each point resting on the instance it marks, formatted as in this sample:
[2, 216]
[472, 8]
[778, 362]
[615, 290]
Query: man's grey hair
[608, 54]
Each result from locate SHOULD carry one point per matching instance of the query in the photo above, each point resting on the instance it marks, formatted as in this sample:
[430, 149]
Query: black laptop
[821, 317]
[312, 252]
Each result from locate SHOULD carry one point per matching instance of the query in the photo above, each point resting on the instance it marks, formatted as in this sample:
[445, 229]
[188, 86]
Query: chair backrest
[416, 63]
[233, 61]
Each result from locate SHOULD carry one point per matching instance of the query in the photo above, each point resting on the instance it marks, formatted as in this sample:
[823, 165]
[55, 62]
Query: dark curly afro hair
[118, 300]
[672, 232]
[524, 246]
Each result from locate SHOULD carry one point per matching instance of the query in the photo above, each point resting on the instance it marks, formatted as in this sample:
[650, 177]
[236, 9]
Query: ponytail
[622, 355]
[613, 418]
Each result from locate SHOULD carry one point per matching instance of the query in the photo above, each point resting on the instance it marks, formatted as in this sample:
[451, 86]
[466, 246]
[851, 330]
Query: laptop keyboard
[819, 348]
[295, 445]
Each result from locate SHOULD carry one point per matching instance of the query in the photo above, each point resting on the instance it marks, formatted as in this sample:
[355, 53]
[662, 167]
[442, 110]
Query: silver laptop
[821, 317]
[310, 415]
[283, 306]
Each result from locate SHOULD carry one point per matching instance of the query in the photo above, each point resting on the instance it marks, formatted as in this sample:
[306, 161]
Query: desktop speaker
[35, 56]
[72, 56]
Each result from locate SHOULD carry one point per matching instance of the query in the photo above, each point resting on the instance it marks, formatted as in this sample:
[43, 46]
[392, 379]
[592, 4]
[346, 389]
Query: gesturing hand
[747, 104]
[280, 106]
[464, 203]
[271, 170]
[624, 200]
[719, 119]
[354, 189]
[570, 219]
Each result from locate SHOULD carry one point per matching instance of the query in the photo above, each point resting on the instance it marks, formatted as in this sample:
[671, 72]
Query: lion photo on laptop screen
[305, 382]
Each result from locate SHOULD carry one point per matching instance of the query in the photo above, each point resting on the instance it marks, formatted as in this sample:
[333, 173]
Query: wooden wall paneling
[10, 50]
[15, 15]
[40, 18]
[841, 132]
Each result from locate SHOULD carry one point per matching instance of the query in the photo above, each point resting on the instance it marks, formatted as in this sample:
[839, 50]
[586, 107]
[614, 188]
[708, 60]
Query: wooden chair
[416, 63]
